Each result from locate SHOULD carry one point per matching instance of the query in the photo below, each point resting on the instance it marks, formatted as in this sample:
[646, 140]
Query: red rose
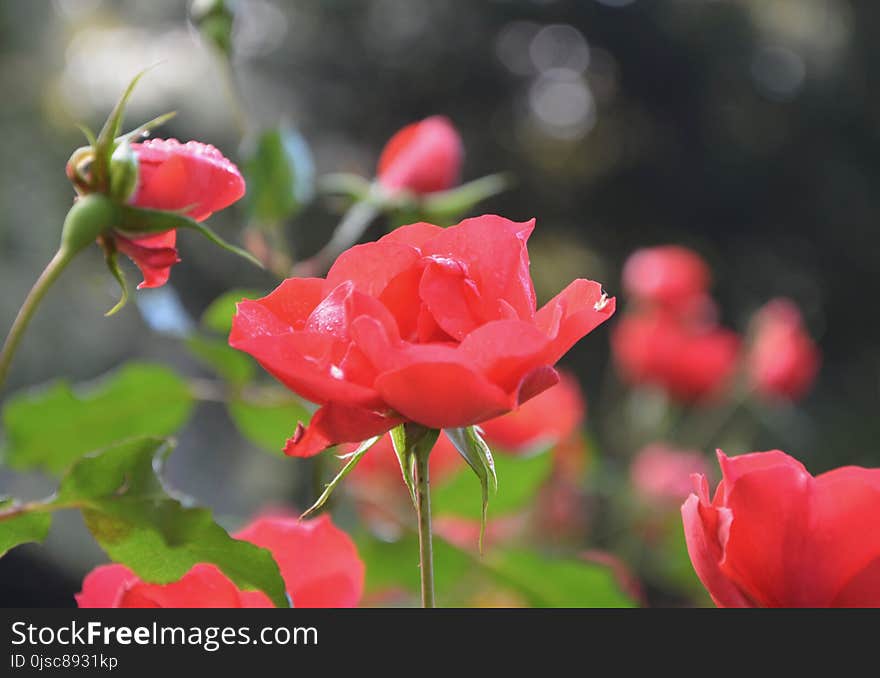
[552, 417]
[174, 176]
[775, 536]
[783, 360]
[430, 325]
[423, 157]
[668, 275]
[318, 561]
[689, 361]
[662, 474]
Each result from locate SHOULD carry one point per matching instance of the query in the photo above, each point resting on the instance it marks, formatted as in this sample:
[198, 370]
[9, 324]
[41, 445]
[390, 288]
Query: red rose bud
[318, 561]
[691, 362]
[783, 360]
[775, 536]
[194, 177]
[547, 419]
[661, 474]
[428, 325]
[423, 157]
[669, 275]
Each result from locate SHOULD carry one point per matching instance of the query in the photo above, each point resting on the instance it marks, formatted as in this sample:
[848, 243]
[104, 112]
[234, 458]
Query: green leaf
[218, 316]
[270, 421]
[52, 427]
[476, 453]
[449, 206]
[140, 524]
[523, 478]
[235, 367]
[139, 221]
[280, 175]
[557, 582]
[395, 564]
[21, 528]
[353, 460]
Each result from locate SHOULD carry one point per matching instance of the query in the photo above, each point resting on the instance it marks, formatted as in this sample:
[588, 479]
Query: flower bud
[89, 217]
[123, 172]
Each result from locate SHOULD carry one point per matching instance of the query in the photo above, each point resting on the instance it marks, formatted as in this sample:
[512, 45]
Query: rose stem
[29, 307]
[423, 510]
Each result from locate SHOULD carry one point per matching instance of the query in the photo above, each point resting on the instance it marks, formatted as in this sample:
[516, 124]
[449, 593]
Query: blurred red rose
[172, 176]
[668, 275]
[783, 360]
[318, 561]
[430, 325]
[662, 474]
[423, 157]
[549, 418]
[690, 361]
[775, 536]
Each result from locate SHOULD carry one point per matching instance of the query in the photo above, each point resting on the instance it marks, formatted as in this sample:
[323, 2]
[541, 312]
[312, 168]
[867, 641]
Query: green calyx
[90, 217]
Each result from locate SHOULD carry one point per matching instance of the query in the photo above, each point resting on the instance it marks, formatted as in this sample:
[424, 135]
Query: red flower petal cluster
[318, 561]
[670, 339]
[690, 361]
[552, 417]
[662, 474]
[430, 325]
[423, 157]
[668, 275]
[194, 177]
[783, 360]
[775, 536]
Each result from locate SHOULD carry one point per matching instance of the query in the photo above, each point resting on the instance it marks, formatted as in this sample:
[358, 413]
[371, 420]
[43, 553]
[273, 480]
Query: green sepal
[353, 459]
[144, 130]
[409, 441]
[139, 221]
[405, 458]
[476, 453]
[124, 172]
[111, 257]
[105, 143]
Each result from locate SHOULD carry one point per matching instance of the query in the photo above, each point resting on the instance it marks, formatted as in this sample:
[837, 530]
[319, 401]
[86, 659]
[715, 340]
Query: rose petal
[103, 587]
[203, 586]
[318, 561]
[572, 314]
[336, 423]
[154, 255]
[442, 395]
[705, 553]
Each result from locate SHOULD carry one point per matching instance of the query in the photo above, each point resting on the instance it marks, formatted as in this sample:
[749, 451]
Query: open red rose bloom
[318, 561]
[195, 177]
[429, 325]
[775, 536]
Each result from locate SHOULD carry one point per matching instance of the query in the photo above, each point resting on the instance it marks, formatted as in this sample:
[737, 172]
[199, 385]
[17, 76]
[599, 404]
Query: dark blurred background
[746, 129]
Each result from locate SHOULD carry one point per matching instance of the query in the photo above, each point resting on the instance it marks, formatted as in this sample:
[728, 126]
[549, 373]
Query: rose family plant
[132, 197]
[775, 536]
[425, 329]
[318, 561]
